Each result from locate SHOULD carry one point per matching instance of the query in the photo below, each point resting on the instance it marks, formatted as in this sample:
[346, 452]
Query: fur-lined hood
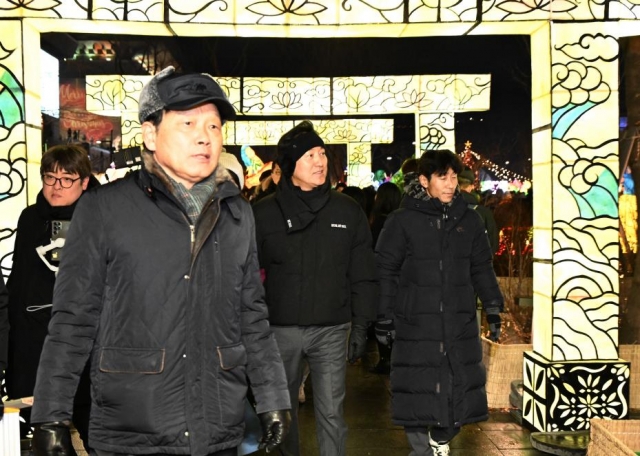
[417, 191]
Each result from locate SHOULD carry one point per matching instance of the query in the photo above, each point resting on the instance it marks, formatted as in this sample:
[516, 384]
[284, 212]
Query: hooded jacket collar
[298, 207]
[418, 199]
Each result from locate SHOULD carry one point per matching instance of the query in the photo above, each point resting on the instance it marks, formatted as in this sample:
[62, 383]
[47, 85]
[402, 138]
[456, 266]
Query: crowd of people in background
[508, 216]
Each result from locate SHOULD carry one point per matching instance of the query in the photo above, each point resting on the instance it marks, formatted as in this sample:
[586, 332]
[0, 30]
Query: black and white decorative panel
[564, 396]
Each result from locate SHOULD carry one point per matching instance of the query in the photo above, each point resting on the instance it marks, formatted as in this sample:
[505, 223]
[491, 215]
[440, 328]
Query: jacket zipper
[443, 350]
[192, 228]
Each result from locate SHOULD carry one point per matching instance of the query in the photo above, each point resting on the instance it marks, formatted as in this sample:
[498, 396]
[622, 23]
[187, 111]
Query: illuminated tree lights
[475, 161]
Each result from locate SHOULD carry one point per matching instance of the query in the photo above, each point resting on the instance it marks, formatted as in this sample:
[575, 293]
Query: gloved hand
[52, 439]
[495, 323]
[385, 332]
[357, 343]
[275, 426]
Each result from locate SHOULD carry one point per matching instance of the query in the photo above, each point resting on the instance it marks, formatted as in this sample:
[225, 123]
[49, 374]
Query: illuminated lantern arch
[574, 47]
[432, 99]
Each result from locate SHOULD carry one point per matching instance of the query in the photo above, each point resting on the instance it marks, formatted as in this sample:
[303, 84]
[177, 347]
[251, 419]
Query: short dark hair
[71, 158]
[357, 194]
[438, 162]
[410, 165]
[155, 118]
[388, 198]
[463, 181]
[265, 174]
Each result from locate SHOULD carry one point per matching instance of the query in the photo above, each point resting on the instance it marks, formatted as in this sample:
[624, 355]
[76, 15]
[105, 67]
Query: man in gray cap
[160, 288]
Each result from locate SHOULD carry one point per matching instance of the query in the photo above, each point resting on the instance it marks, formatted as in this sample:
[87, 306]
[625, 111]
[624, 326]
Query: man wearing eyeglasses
[66, 175]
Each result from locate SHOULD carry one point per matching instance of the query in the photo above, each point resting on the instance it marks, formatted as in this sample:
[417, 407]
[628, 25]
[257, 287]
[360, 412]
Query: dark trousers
[419, 438]
[325, 349]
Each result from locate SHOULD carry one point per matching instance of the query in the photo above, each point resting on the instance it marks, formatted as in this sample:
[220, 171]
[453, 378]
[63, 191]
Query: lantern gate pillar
[573, 373]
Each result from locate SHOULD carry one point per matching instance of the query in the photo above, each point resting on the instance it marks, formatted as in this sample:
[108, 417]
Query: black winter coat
[30, 285]
[319, 266]
[173, 318]
[431, 266]
[487, 218]
[30, 288]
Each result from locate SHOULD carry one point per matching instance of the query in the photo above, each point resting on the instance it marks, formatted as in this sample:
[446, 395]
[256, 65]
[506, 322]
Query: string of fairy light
[500, 172]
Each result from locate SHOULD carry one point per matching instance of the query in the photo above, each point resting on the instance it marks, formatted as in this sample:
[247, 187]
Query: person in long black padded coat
[433, 258]
[66, 174]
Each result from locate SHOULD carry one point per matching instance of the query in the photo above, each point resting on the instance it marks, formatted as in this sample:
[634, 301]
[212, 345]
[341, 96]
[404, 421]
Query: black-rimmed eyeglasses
[65, 182]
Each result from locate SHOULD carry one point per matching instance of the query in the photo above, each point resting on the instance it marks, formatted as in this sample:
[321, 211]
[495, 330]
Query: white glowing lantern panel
[258, 133]
[271, 96]
[409, 94]
[334, 131]
[359, 164]
[437, 131]
[139, 10]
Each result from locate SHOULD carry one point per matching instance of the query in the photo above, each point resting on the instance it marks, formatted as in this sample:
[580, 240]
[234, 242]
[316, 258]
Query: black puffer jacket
[430, 266]
[487, 218]
[319, 266]
[172, 315]
[30, 287]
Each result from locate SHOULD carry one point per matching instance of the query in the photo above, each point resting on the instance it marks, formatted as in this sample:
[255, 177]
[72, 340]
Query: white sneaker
[439, 449]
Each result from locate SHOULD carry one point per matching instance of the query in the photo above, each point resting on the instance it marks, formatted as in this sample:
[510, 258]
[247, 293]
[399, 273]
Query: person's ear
[85, 183]
[423, 181]
[149, 133]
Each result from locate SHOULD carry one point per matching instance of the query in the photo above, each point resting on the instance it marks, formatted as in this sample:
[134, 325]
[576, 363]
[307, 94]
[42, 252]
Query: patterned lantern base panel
[564, 396]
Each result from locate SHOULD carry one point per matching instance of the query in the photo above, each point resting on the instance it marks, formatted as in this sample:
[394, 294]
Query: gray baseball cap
[172, 91]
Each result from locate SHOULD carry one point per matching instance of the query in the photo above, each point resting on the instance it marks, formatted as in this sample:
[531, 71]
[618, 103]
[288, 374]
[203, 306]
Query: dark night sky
[502, 133]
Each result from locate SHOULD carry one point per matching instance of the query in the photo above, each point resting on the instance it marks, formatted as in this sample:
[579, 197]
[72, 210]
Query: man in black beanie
[314, 245]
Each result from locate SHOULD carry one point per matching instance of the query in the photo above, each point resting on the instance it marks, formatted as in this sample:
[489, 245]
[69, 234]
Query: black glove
[493, 318]
[385, 332]
[275, 426]
[52, 439]
[357, 343]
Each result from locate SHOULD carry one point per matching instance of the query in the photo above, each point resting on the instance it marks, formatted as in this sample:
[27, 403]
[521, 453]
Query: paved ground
[367, 411]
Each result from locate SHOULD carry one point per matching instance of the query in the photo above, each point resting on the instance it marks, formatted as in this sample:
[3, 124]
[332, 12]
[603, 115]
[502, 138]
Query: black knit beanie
[294, 144]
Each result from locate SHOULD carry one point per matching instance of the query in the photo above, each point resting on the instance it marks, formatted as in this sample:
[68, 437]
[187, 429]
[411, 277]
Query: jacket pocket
[225, 410]
[128, 383]
[132, 360]
[232, 356]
